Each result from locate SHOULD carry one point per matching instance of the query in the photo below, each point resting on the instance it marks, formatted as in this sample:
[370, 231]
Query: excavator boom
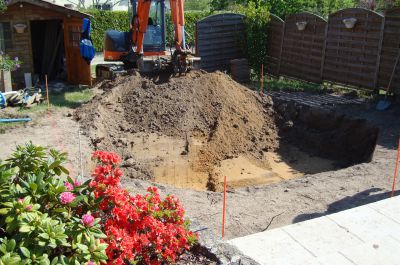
[144, 46]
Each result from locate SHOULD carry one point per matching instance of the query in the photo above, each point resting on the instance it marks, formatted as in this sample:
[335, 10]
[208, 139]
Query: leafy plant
[7, 64]
[119, 20]
[255, 43]
[139, 229]
[3, 5]
[43, 216]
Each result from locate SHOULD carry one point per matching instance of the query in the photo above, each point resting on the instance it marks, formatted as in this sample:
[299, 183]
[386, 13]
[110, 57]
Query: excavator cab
[144, 46]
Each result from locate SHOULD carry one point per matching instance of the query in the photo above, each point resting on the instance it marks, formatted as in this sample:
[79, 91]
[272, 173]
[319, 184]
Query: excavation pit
[191, 131]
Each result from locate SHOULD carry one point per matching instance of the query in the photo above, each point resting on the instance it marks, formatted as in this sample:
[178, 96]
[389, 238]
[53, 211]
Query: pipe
[15, 120]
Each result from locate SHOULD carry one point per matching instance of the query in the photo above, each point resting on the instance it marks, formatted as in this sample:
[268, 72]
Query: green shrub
[119, 20]
[3, 5]
[105, 20]
[255, 43]
[44, 219]
[190, 26]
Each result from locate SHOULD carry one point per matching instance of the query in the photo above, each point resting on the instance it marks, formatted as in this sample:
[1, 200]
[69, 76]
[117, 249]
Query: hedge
[119, 20]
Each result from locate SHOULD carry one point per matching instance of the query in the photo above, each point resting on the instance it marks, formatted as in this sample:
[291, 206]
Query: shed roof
[52, 6]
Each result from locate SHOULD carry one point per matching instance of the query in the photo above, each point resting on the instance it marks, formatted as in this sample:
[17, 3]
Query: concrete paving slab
[312, 235]
[382, 252]
[334, 259]
[367, 235]
[389, 208]
[273, 247]
[367, 223]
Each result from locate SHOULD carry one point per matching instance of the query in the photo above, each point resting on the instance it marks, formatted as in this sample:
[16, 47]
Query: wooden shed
[45, 37]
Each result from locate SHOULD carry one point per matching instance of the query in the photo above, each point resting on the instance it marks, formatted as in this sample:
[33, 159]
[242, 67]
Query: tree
[200, 5]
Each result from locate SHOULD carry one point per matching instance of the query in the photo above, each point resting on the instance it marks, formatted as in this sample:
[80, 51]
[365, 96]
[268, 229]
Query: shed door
[78, 69]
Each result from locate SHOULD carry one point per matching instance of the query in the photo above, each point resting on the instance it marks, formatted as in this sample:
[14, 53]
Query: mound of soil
[210, 115]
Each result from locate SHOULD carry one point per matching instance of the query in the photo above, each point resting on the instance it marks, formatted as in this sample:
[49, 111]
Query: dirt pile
[201, 118]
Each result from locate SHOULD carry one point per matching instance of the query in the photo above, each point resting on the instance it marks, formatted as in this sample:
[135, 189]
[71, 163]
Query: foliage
[7, 64]
[42, 217]
[255, 43]
[283, 8]
[198, 5]
[119, 20]
[190, 26]
[140, 229]
[3, 5]
[106, 20]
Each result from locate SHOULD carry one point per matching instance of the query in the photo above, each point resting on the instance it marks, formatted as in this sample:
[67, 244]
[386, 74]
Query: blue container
[2, 100]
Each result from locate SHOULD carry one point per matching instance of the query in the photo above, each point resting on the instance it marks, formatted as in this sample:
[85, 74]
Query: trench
[312, 141]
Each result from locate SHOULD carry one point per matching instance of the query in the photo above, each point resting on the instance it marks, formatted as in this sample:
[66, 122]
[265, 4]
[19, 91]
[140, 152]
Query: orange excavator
[144, 46]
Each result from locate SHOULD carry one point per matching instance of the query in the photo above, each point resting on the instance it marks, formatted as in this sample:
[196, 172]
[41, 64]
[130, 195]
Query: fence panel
[218, 40]
[274, 49]
[390, 50]
[303, 46]
[352, 54]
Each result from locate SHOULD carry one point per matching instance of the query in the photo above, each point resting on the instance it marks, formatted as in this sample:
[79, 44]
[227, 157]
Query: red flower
[140, 228]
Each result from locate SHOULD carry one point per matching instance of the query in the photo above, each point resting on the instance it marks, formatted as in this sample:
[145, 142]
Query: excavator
[144, 46]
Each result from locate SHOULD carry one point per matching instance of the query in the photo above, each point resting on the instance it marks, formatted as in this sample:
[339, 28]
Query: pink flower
[29, 208]
[68, 185]
[67, 197]
[87, 220]
[77, 183]
[21, 200]
[90, 263]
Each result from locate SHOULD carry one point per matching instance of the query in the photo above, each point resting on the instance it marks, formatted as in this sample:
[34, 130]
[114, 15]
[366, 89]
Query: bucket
[28, 80]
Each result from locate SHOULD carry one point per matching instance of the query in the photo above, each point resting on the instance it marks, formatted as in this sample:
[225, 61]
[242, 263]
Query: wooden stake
[224, 210]
[396, 169]
[47, 94]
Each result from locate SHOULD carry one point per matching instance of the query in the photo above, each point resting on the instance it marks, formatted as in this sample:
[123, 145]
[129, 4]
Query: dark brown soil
[226, 118]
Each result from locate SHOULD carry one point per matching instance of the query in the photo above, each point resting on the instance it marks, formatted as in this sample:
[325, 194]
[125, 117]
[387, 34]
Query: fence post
[281, 48]
[378, 63]
[324, 51]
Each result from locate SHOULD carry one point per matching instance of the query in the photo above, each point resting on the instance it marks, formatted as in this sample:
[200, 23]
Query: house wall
[23, 13]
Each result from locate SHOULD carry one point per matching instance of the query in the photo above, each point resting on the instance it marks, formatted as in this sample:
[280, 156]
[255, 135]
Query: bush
[105, 20]
[140, 229]
[119, 20]
[255, 43]
[190, 26]
[43, 218]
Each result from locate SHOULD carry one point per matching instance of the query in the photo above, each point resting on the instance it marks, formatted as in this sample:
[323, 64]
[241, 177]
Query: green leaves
[37, 225]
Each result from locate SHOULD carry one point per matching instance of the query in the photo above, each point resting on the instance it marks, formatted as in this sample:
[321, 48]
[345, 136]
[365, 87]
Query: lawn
[69, 99]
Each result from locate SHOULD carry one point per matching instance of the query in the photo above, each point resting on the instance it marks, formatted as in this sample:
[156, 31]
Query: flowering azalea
[68, 185]
[87, 220]
[143, 229]
[66, 197]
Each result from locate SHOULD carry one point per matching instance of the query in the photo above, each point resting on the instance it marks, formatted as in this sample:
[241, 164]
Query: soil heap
[208, 117]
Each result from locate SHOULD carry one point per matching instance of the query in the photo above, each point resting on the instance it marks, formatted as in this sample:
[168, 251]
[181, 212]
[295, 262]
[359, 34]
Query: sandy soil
[254, 208]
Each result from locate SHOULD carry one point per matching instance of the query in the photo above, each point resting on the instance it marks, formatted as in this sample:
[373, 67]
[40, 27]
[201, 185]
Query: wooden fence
[218, 40]
[362, 55]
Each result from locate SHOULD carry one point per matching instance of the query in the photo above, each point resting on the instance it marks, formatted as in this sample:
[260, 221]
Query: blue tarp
[86, 45]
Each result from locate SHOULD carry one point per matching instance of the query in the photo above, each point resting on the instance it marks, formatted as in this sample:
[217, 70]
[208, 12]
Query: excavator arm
[141, 18]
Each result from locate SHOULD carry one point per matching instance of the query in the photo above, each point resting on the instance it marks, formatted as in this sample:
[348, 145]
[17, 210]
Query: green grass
[69, 99]
[294, 85]
[286, 84]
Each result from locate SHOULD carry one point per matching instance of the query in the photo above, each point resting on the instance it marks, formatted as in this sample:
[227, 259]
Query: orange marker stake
[47, 94]
[396, 169]
[224, 210]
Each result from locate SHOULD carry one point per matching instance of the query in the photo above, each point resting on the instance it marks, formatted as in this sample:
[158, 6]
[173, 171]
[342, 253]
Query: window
[5, 36]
